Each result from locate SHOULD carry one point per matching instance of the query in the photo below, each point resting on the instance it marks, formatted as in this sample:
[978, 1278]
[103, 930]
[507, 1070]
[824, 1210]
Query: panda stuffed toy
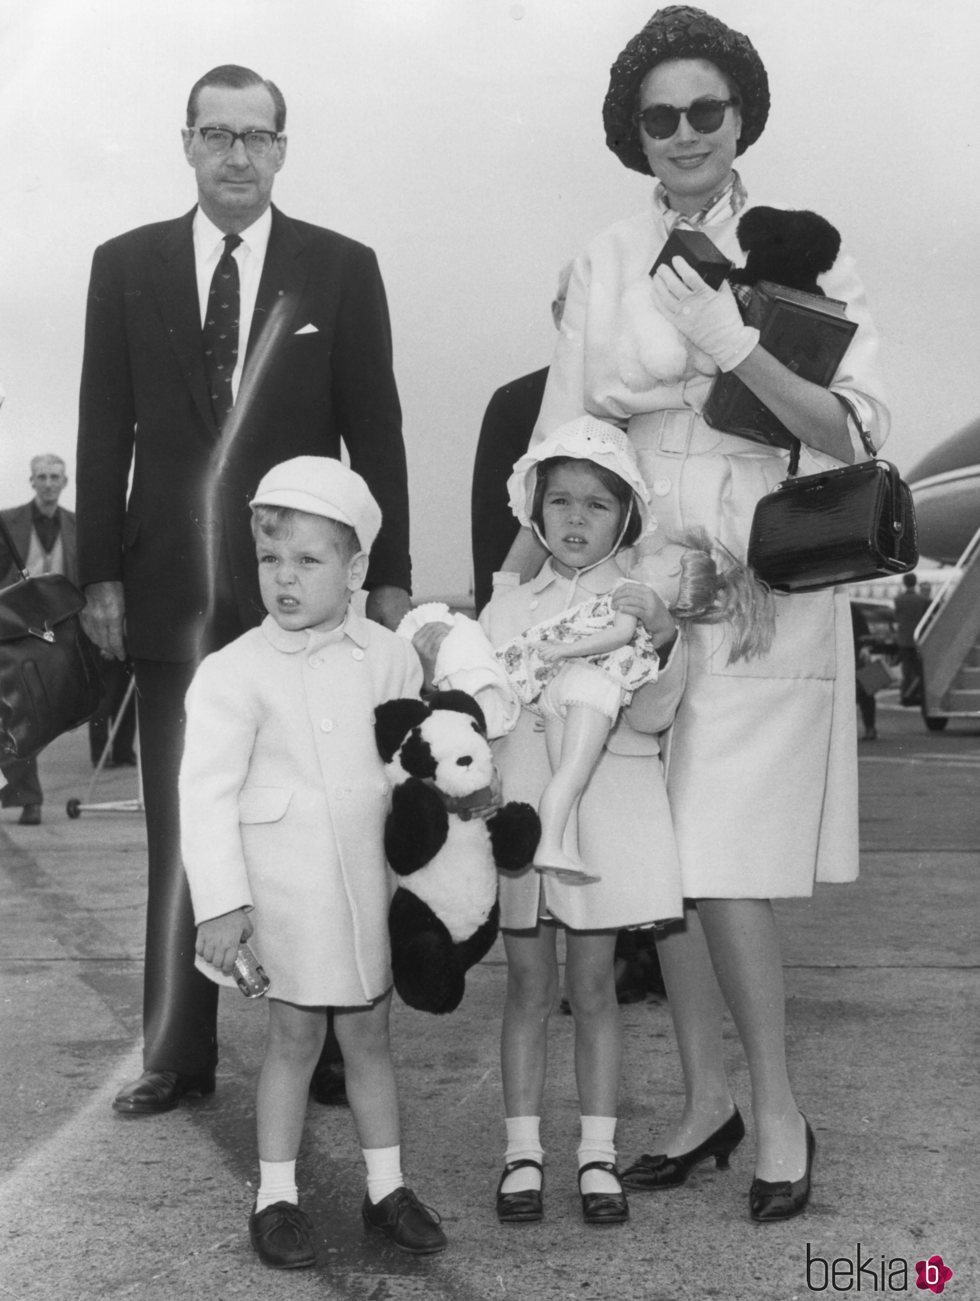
[444, 914]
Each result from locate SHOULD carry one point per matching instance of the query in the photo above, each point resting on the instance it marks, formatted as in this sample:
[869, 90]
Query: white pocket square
[308, 329]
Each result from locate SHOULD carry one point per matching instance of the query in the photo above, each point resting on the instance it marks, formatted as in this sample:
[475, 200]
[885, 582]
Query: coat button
[357, 654]
[315, 661]
[326, 724]
[661, 487]
[533, 605]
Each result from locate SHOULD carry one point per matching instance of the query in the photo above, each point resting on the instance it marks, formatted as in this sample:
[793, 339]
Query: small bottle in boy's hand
[249, 975]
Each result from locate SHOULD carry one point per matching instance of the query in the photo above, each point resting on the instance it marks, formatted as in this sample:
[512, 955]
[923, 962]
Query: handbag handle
[11, 545]
[866, 443]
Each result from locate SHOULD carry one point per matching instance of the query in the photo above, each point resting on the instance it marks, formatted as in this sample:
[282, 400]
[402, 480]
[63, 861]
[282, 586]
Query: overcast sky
[462, 139]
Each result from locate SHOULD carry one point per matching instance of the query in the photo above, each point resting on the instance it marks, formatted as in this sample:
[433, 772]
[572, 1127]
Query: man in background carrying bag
[44, 534]
[910, 606]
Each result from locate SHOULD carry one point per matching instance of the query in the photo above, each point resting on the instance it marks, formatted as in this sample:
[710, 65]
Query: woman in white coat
[762, 773]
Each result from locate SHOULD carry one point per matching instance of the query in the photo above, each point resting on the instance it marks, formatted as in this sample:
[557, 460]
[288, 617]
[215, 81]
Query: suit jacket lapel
[175, 283]
[283, 272]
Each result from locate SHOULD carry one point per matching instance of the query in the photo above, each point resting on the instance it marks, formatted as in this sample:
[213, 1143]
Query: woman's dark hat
[682, 32]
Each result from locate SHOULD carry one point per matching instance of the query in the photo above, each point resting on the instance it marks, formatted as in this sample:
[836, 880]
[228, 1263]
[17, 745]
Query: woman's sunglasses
[660, 121]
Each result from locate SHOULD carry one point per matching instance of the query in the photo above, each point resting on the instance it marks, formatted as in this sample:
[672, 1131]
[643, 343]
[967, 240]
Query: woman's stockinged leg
[296, 1035]
[532, 991]
[697, 1009]
[744, 945]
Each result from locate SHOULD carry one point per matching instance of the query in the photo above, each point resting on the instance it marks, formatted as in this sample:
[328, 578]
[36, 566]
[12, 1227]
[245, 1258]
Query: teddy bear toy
[444, 914]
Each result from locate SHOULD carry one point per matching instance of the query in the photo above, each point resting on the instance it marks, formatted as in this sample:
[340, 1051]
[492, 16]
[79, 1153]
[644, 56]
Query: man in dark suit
[504, 435]
[175, 311]
[910, 605]
[44, 534]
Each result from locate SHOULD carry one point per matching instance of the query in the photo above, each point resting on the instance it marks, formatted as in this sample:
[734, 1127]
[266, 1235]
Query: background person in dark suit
[44, 534]
[170, 573]
[504, 436]
[910, 606]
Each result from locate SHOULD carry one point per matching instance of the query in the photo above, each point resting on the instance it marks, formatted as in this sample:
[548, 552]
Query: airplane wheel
[74, 808]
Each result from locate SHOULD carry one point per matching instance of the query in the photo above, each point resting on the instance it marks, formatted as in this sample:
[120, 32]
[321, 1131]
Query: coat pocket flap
[263, 803]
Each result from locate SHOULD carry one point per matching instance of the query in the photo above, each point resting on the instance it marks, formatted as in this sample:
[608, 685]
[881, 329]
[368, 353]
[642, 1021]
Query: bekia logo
[866, 1273]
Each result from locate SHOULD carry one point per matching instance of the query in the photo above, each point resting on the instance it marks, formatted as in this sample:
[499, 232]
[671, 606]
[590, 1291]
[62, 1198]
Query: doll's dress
[626, 668]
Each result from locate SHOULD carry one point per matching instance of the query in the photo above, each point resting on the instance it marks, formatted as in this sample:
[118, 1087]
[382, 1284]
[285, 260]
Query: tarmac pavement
[882, 982]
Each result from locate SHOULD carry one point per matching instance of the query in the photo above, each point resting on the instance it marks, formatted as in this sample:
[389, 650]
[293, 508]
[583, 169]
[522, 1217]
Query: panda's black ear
[460, 702]
[393, 720]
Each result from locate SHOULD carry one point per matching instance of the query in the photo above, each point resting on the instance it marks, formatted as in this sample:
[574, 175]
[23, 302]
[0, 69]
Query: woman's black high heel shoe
[769, 1202]
[603, 1208]
[661, 1171]
[525, 1206]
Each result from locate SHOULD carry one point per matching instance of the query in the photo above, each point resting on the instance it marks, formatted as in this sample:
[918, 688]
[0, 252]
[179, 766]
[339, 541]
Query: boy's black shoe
[403, 1219]
[283, 1236]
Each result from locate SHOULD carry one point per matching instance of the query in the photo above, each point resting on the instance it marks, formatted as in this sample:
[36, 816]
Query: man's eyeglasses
[219, 140]
[660, 121]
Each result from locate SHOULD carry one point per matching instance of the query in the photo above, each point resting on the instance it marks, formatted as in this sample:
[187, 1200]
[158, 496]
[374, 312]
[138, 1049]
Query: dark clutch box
[698, 251]
[806, 332]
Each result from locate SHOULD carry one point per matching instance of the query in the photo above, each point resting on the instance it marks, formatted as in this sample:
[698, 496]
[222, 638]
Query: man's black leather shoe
[282, 1235]
[158, 1091]
[403, 1220]
[31, 816]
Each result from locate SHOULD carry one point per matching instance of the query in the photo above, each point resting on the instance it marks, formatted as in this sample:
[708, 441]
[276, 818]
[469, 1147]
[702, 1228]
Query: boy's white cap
[321, 485]
[586, 439]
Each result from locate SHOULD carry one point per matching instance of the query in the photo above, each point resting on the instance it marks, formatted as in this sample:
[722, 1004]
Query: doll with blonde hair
[579, 668]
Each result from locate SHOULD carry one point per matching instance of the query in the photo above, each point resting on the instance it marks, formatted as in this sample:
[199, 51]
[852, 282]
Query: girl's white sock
[384, 1171]
[277, 1183]
[597, 1144]
[523, 1141]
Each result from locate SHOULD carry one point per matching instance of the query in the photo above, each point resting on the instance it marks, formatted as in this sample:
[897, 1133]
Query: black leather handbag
[50, 673]
[847, 525]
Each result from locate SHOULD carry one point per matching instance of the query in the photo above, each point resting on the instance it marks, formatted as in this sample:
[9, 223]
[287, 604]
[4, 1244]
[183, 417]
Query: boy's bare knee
[296, 1034]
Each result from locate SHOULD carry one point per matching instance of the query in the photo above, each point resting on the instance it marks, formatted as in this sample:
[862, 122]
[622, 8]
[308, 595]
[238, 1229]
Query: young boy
[283, 799]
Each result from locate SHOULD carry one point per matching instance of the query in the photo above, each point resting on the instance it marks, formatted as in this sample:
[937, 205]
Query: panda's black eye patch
[416, 756]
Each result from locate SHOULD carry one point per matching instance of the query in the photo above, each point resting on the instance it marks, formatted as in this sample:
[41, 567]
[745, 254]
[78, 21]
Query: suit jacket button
[326, 725]
[357, 654]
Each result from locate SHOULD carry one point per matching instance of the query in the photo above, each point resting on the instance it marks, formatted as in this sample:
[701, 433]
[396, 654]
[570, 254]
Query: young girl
[579, 668]
[582, 488]
[282, 804]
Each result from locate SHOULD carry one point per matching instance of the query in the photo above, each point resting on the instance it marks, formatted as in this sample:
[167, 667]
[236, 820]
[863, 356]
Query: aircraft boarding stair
[948, 640]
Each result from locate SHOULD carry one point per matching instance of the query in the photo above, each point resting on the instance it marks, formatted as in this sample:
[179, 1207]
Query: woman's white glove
[708, 317]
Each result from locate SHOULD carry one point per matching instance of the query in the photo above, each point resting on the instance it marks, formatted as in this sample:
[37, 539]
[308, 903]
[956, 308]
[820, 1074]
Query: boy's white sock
[384, 1171]
[277, 1183]
[597, 1144]
[523, 1142]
